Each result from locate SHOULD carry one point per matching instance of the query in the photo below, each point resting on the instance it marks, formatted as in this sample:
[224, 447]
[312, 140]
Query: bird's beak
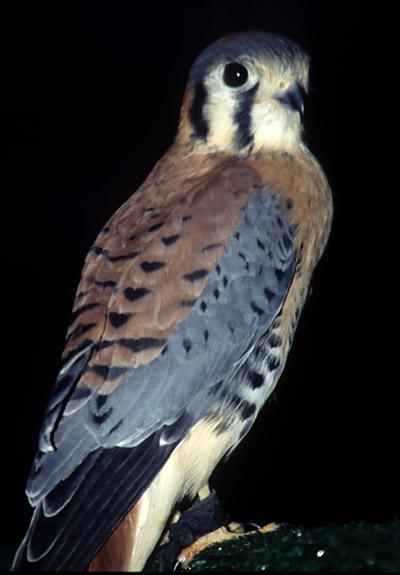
[293, 98]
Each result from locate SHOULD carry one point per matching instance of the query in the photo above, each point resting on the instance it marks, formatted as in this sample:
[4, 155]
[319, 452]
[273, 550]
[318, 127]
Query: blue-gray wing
[110, 447]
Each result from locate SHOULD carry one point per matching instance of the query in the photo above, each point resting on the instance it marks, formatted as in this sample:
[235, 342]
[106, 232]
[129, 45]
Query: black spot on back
[155, 227]
[135, 345]
[107, 372]
[287, 242]
[142, 343]
[99, 419]
[82, 293]
[273, 362]
[115, 427]
[118, 319]
[274, 340]
[216, 387]
[106, 284]
[196, 275]
[133, 294]
[168, 241]
[247, 410]
[277, 322]
[100, 369]
[210, 247]
[98, 250]
[150, 267]
[187, 344]
[100, 400]
[257, 309]
[130, 256]
[235, 401]
[256, 379]
[188, 302]
[113, 258]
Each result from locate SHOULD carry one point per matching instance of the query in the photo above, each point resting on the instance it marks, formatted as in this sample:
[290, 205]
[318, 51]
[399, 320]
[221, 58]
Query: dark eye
[235, 75]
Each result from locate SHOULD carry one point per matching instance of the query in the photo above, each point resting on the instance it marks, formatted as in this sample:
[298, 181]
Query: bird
[184, 314]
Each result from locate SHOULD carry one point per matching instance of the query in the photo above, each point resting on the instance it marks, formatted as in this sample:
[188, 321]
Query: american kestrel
[184, 315]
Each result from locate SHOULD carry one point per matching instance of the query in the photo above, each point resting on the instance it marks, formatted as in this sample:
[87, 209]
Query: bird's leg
[198, 527]
[204, 516]
[204, 492]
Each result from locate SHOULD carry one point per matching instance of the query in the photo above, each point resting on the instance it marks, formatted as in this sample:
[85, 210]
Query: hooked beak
[293, 98]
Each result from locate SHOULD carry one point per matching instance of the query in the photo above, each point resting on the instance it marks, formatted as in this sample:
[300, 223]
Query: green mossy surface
[333, 548]
[356, 547]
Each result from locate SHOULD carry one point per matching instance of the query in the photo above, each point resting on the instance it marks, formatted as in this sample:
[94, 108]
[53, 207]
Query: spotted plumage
[184, 315]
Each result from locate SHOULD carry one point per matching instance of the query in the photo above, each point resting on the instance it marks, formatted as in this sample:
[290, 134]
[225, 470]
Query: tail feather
[71, 538]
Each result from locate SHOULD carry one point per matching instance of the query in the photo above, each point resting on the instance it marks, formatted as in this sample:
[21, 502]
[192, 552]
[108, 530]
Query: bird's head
[245, 94]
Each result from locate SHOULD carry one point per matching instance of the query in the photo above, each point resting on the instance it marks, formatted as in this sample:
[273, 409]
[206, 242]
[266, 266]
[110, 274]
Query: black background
[95, 95]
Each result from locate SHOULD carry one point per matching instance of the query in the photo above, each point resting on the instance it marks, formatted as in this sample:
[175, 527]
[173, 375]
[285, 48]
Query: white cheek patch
[273, 127]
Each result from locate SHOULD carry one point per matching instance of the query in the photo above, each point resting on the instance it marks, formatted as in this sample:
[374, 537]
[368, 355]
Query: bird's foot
[225, 533]
[204, 516]
[200, 526]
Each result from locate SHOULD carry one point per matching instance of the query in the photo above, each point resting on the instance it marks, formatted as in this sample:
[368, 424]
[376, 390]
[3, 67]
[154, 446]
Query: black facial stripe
[196, 113]
[242, 117]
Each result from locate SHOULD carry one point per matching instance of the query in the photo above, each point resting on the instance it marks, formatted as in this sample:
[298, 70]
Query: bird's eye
[235, 75]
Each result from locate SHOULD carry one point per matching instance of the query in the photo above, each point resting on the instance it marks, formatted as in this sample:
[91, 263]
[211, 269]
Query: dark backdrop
[95, 95]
